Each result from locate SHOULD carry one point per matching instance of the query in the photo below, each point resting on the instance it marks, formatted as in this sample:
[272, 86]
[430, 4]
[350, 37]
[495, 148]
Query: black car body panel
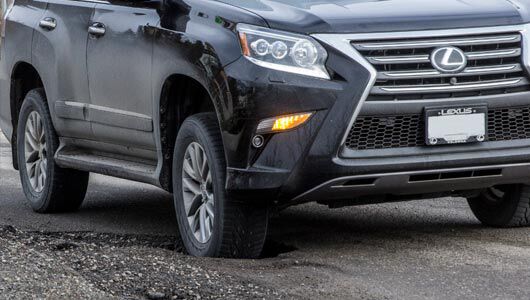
[106, 92]
[357, 16]
[27, 14]
[63, 76]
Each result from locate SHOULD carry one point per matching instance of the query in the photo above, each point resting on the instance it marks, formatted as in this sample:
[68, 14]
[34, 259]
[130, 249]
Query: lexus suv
[240, 108]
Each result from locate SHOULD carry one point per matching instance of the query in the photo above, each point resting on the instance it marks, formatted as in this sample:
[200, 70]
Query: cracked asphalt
[122, 245]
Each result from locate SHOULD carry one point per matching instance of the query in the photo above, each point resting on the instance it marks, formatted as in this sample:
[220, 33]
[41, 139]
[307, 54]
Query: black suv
[241, 107]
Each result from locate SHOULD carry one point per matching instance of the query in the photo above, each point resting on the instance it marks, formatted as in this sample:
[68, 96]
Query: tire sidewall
[498, 214]
[192, 131]
[35, 102]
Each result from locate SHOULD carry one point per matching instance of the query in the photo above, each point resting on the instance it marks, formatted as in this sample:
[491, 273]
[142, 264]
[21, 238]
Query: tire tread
[513, 211]
[245, 222]
[68, 187]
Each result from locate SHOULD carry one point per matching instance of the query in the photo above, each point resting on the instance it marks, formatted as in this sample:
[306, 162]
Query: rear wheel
[212, 222]
[47, 187]
[503, 206]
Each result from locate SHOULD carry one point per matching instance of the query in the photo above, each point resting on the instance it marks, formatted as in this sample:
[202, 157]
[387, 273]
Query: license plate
[455, 125]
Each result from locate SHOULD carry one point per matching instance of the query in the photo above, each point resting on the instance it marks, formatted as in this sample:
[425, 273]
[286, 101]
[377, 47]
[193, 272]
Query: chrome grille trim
[449, 88]
[429, 43]
[494, 54]
[405, 71]
[407, 59]
[342, 43]
[499, 69]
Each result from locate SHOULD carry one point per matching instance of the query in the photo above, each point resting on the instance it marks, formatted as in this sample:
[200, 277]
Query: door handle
[97, 29]
[48, 23]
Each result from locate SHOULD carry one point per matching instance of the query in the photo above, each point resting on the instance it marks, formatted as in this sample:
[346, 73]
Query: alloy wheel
[35, 152]
[494, 195]
[197, 189]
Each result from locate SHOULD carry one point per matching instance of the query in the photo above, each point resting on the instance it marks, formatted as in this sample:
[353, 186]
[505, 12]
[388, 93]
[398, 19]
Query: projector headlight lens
[283, 51]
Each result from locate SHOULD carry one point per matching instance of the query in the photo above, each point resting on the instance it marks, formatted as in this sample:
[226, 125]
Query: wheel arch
[24, 78]
[181, 96]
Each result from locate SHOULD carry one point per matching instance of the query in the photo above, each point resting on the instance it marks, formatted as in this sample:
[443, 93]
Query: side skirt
[103, 163]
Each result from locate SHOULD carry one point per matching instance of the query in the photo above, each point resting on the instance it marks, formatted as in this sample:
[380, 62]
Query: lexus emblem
[448, 59]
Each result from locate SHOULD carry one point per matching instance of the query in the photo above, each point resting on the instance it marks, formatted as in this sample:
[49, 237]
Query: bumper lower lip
[417, 182]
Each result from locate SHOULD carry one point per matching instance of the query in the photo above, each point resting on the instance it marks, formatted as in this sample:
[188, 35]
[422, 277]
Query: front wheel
[503, 206]
[48, 187]
[211, 222]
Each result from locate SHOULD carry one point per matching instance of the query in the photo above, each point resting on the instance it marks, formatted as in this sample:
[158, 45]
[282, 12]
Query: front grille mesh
[509, 124]
[404, 70]
[398, 131]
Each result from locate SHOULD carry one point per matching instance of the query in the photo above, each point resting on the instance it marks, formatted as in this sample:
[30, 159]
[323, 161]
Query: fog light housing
[258, 141]
[283, 123]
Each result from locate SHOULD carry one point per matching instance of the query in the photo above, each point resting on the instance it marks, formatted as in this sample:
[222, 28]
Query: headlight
[283, 51]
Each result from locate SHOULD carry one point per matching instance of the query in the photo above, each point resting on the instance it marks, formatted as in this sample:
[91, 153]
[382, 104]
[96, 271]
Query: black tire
[503, 206]
[64, 189]
[240, 225]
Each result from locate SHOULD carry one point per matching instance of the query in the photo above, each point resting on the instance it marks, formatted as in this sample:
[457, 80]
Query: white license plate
[455, 125]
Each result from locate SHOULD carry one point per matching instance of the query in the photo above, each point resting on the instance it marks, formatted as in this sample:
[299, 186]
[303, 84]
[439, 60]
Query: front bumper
[311, 163]
[417, 182]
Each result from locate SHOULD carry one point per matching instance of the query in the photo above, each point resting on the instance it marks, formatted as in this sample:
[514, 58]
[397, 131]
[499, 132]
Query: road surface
[121, 244]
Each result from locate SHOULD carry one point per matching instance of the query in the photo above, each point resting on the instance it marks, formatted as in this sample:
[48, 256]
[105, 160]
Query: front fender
[197, 39]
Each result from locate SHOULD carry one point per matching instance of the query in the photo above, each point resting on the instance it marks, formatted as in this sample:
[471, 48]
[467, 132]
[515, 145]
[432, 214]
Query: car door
[59, 54]
[119, 61]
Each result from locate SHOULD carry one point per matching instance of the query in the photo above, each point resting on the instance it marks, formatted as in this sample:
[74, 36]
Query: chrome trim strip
[98, 1]
[411, 59]
[70, 110]
[409, 173]
[509, 68]
[390, 35]
[485, 70]
[436, 88]
[118, 118]
[525, 46]
[342, 42]
[441, 42]
[410, 74]
[494, 54]
[103, 115]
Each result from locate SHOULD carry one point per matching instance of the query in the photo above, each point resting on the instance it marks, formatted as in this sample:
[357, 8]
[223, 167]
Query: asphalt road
[432, 249]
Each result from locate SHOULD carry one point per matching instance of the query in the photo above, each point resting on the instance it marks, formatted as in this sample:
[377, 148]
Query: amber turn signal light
[244, 44]
[283, 123]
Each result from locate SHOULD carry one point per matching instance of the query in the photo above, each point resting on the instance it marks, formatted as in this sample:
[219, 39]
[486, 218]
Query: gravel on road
[122, 244]
[105, 266]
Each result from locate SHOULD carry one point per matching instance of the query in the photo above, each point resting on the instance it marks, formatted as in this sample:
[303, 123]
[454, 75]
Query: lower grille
[399, 131]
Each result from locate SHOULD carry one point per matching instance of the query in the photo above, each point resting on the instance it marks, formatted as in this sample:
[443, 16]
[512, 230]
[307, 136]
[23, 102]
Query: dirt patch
[88, 265]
